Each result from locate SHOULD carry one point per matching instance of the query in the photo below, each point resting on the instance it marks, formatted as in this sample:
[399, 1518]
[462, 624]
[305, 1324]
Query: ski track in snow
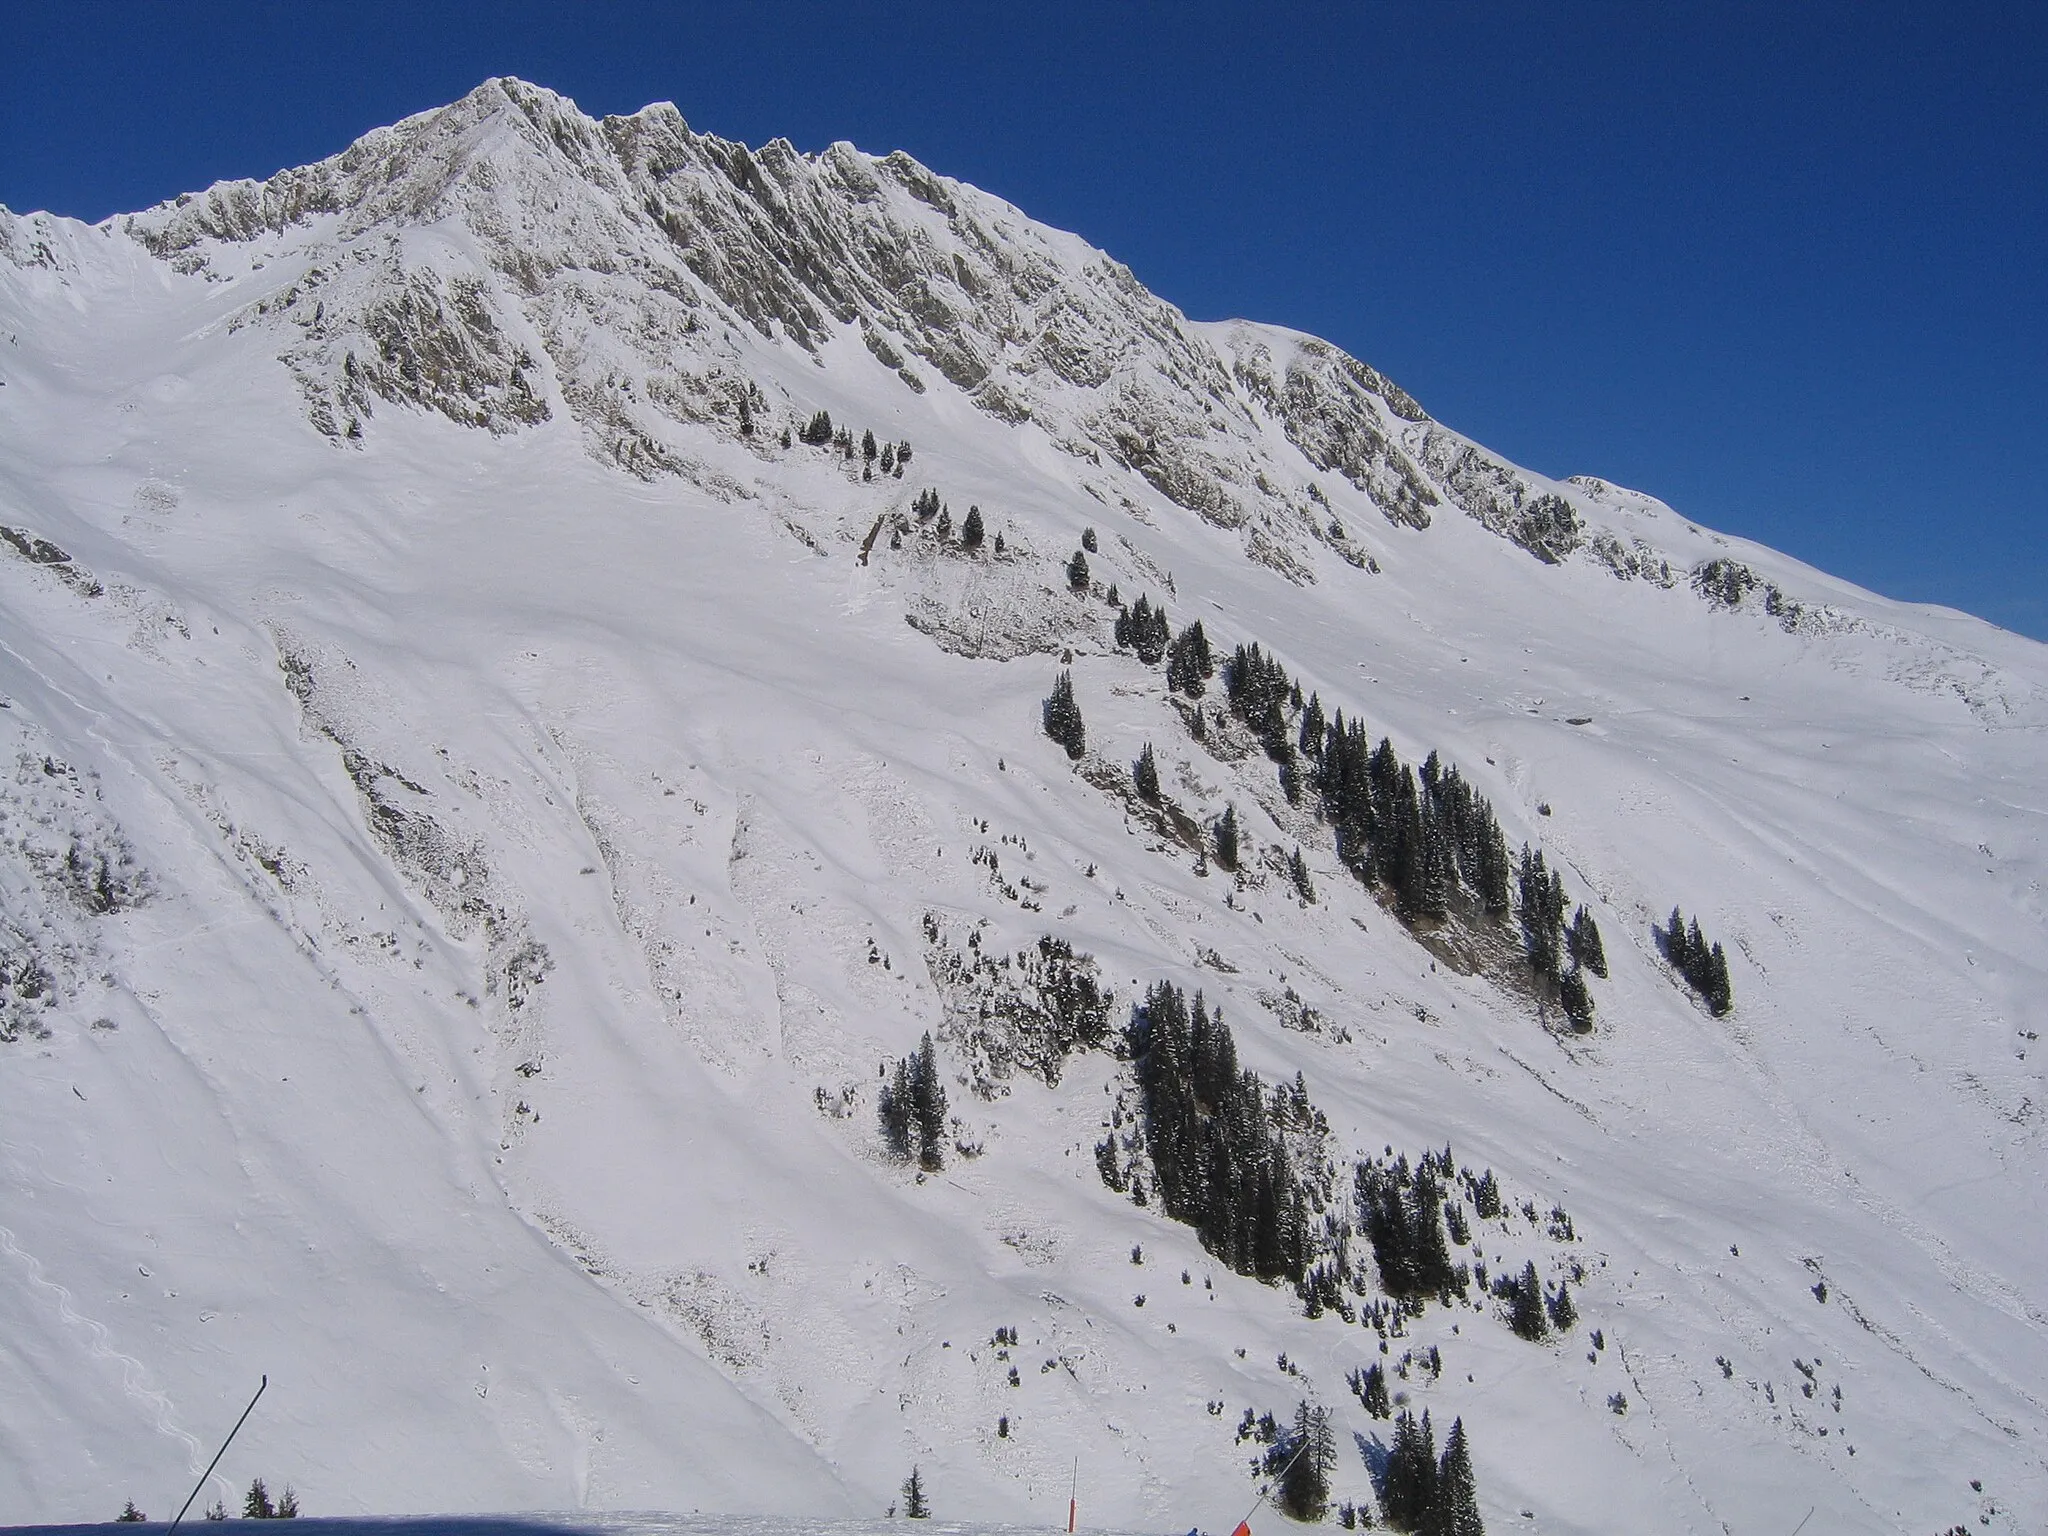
[134, 1374]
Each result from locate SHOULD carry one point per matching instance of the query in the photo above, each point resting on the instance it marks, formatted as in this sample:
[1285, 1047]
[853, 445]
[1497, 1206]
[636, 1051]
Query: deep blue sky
[1785, 266]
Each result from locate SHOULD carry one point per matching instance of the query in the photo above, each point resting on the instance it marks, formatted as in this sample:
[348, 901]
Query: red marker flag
[1244, 1528]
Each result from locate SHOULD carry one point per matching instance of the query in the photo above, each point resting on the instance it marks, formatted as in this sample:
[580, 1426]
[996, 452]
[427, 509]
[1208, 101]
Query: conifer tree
[1189, 664]
[1457, 1495]
[971, 530]
[1310, 741]
[868, 450]
[1063, 721]
[928, 1107]
[1145, 776]
[288, 1506]
[1408, 1493]
[895, 1111]
[1576, 1001]
[256, 1503]
[130, 1515]
[1486, 1202]
[1297, 871]
[1542, 897]
[1311, 1456]
[1564, 1312]
[1525, 1305]
[1374, 1395]
[1226, 839]
[1584, 943]
[915, 1505]
[1077, 574]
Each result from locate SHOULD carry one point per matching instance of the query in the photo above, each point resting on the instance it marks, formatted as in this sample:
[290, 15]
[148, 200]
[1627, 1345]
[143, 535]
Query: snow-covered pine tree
[1226, 838]
[1063, 721]
[1720, 993]
[1408, 1483]
[928, 1106]
[1455, 1510]
[1575, 999]
[1297, 871]
[1189, 665]
[1564, 1312]
[1309, 1456]
[894, 1111]
[1145, 776]
[1583, 940]
[1526, 1314]
[915, 1505]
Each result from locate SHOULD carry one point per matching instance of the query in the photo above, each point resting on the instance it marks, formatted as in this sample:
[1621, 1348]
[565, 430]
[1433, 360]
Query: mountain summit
[706, 828]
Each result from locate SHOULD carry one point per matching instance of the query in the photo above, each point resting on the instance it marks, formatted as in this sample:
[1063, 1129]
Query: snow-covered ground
[464, 872]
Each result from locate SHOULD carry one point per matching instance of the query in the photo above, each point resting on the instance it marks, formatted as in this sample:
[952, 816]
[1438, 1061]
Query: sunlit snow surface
[486, 1046]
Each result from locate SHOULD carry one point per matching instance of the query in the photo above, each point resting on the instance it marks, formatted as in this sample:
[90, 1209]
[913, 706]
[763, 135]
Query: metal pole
[221, 1452]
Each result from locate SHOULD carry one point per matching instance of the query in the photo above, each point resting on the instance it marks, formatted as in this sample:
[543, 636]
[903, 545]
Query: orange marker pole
[1073, 1497]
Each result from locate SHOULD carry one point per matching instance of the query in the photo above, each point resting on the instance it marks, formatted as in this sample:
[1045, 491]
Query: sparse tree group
[1702, 964]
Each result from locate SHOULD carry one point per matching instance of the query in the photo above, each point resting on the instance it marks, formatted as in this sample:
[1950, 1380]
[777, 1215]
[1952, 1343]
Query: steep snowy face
[602, 734]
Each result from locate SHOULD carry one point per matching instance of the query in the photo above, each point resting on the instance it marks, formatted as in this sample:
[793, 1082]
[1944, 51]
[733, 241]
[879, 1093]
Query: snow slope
[477, 819]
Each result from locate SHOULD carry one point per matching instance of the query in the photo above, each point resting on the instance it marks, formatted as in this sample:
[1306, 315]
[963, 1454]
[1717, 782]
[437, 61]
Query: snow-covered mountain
[486, 802]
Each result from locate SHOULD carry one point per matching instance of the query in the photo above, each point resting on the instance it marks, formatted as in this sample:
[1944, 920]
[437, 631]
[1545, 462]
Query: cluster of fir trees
[1402, 1213]
[926, 505]
[1561, 954]
[1370, 1387]
[1062, 716]
[1431, 839]
[1425, 1493]
[256, 1505]
[1533, 1312]
[912, 1109]
[1703, 965]
[1218, 1139]
[1143, 628]
[819, 432]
